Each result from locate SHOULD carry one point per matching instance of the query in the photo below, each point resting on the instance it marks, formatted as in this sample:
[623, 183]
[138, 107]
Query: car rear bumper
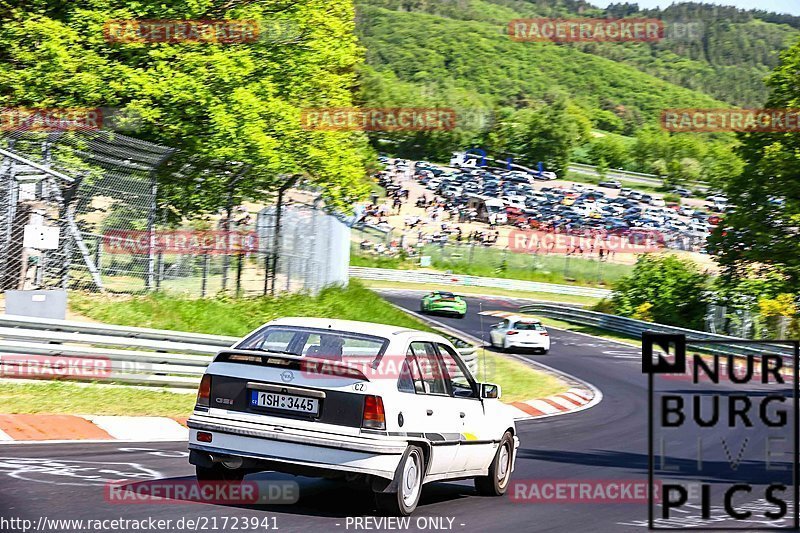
[447, 309]
[531, 344]
[366, 455]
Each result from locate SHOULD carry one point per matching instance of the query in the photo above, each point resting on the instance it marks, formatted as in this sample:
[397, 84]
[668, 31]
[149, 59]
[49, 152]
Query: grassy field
[491, 262]
[55, 397]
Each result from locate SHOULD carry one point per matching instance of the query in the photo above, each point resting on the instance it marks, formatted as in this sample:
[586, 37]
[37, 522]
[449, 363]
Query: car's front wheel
[218, 473]
[496, 483]
[409, 486]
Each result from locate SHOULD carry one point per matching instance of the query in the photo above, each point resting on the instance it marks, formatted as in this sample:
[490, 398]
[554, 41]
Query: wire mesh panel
[84, 183]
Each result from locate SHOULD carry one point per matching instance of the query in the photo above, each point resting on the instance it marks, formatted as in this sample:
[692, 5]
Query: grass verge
[517, 380]
[594, 332]
[230, 316]
[489, 291]
[54, 397]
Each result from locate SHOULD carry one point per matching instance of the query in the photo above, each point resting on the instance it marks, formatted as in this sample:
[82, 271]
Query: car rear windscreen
[528, 326]
[316, 343]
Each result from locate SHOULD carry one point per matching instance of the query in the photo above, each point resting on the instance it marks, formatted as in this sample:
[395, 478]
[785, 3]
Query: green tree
[672, 290]
[234, 104]
[611, 149]
[720, 165]
[761, 229]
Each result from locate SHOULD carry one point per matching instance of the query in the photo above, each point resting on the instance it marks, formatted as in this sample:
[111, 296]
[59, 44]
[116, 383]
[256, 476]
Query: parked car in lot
[611, 184]
[518, 332]
[680, 191]
[443, 302]
[389, 407]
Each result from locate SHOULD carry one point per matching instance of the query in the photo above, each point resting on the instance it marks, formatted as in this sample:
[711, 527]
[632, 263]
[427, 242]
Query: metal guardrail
[417, 276]
[635, 328]
[34, 347]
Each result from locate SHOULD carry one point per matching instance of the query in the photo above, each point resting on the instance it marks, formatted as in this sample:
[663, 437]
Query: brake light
[374, 415]
[512, 332]
[203, 436]
[204, 392]
[544, 334]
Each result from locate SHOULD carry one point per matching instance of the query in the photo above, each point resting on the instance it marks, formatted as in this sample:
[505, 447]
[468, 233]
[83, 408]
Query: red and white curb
[71, 428]
[575, 399]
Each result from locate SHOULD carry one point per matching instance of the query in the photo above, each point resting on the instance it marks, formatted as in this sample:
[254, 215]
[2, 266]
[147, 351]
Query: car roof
[520, 318]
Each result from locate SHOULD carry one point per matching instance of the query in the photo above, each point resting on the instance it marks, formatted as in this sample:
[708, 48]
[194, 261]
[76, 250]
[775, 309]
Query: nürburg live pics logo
[722, 432]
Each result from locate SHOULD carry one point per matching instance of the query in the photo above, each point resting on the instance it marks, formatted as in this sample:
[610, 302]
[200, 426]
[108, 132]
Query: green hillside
[480, 58]
[726, 54]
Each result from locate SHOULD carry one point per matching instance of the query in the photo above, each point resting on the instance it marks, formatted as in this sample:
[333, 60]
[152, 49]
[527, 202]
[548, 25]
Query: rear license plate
[284, 402]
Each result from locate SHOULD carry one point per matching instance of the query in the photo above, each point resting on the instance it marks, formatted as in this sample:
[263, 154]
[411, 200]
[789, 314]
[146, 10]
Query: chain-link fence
[60, 192]
[80, 211]
[370, 247]
[747, 322]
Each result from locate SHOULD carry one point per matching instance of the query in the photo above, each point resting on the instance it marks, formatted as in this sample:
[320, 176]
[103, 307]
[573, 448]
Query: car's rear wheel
[409, 486]
[496, 483]
[218, 473]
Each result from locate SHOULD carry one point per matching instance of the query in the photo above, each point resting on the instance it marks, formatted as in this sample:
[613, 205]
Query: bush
[604, 306]
[664, 289]
[672, 198]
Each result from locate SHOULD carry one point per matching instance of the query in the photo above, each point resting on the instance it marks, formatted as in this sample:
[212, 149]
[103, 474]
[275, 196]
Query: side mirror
[490, 391]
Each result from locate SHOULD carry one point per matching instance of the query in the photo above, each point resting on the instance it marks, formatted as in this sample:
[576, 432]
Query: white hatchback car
[391, 407]
[521, 333]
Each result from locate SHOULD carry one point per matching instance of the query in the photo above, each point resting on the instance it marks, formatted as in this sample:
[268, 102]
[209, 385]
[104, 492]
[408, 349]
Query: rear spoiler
[290, 362]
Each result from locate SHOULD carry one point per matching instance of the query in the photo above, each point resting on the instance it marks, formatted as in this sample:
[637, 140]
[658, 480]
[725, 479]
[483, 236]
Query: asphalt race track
[605, 443]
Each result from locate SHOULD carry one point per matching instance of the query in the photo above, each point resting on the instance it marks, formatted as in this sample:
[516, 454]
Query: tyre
[218, 473]
[496, 483]
[409, 486]
[544, 352]
[461, 315]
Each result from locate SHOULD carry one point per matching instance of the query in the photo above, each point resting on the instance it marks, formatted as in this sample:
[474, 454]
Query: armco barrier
[418, 276]
[136, 356]
[635, 328]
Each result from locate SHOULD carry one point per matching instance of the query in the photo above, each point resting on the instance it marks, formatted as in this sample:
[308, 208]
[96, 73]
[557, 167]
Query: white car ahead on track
[521, 333]
[390, 407]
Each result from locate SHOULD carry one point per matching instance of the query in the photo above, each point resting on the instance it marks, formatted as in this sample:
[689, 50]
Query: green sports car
[443, 302]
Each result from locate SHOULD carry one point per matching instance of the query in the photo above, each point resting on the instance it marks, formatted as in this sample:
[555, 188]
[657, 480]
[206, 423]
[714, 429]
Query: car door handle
[462, 415]
[430, 412]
